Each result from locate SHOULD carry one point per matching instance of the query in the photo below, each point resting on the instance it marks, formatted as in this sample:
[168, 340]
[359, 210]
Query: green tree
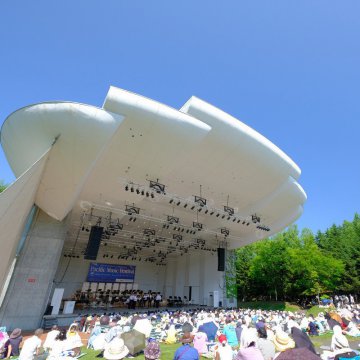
[3, 186]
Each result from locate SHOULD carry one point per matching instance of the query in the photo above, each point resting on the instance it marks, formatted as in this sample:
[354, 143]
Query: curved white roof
[132, 140]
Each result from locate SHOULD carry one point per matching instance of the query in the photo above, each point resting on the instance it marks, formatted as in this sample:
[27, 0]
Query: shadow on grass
[269, 305]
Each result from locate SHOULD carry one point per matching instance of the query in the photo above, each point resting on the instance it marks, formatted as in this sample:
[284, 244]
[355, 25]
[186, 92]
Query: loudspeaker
[93, 244]
[221, 259]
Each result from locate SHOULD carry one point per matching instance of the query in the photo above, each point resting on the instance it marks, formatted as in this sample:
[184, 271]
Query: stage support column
[28, 293]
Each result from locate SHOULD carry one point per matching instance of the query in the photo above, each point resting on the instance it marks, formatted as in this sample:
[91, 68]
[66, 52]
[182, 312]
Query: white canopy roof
[99, 155]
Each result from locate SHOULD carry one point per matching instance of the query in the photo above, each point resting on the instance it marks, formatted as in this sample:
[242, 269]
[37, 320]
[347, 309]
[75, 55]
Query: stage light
[171, 201]
[179, 202]
[142, 192]
[138, 191]
[147, 194]
[238, 221]
[247, 224]
[134, 219]
[130, 219]
[217, 215]
[234, 219]
[185, 205]
[229, 218]
[223, 217]
[212, 213]
[199, 210]
[126, 188]
[206, 211]
[193, 207]
[132, 189]
[152, 195]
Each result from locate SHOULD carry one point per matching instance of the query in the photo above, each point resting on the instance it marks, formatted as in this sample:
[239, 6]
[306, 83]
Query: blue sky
[289, 69]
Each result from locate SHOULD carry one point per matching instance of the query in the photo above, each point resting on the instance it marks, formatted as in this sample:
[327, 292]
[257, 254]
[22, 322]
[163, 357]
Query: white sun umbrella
[144, 326]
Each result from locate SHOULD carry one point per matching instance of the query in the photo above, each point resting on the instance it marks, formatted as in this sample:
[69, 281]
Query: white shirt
[225, 352]
[29, 348]
[50, 338]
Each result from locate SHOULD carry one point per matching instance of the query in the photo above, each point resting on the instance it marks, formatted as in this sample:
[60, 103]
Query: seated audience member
[250, 351]
[312, 327]
[152, 351]
[97, 337]
[12, 345]
[73, 339]
[61, 349]
[200, 340]
[302, 340]
[116, 350]
[223, 351]
[186, 352]
[339, 346]
[50, 338]
[171, 335]
[31, 347]
[352, 329]
[230, 333]
[265, 345]
[283, 342]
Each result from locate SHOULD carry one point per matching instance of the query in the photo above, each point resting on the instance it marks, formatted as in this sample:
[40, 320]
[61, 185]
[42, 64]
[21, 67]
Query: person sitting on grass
[31, 347]
[223, 351]
[13, 343]
[186, 351]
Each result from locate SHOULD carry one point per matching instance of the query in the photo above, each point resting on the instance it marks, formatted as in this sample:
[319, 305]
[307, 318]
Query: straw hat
[116, 350]
[282, 341]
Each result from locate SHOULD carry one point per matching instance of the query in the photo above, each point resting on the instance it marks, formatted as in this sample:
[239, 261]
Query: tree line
[295, 265]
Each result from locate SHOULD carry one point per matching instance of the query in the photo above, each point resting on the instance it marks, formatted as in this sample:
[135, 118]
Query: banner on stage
[111, 273]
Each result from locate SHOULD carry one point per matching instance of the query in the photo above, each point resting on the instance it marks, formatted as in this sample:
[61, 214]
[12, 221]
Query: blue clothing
[230, 333]
[186, 352]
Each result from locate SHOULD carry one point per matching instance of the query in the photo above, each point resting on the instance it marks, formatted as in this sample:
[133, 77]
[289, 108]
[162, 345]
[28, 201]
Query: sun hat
[152, 351]
[15, 333]
[282, 341]
[116, 350]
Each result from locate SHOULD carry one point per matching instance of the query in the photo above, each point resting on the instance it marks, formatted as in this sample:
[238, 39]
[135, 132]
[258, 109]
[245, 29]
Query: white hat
[116, 350]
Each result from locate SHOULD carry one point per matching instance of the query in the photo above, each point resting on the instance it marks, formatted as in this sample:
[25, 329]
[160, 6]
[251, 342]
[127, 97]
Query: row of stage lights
[199, 203]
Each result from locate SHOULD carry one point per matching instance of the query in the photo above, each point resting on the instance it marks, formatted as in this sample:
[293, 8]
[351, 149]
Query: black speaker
[93, 244]
[221, 259]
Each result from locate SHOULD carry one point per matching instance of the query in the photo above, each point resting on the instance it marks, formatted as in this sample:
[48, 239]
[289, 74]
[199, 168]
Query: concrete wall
[29, 289]
[197, 270]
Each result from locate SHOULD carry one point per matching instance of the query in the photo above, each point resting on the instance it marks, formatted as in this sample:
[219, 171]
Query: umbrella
[297, 354]
[134, 341]
[210, 329]
[144, 326]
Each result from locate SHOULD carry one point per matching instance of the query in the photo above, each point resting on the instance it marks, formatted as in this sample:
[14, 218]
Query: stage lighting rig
[229, 210]
[225, 232]
[157, 187]
[130, 209]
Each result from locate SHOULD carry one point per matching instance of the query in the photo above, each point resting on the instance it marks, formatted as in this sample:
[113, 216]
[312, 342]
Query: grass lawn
[167, 353]
[269, 305]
